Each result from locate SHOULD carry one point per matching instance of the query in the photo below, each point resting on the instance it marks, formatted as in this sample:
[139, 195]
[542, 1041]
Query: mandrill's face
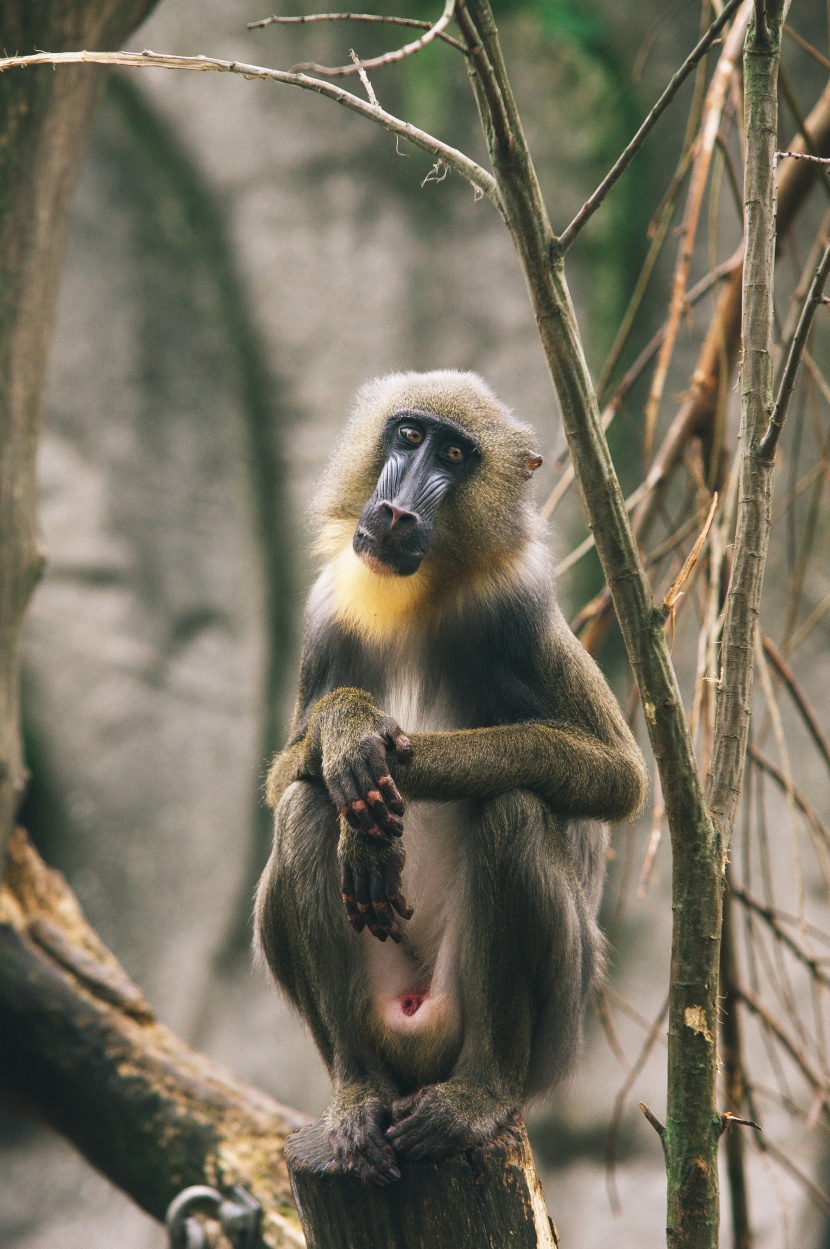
[426, 456]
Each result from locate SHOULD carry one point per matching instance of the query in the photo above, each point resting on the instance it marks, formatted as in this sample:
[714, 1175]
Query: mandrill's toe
[360, 1146]
[445, 1119]
[350, 1140]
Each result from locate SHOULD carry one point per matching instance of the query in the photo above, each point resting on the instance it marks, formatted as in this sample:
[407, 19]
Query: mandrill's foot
[444, 1119]
[350, 1138]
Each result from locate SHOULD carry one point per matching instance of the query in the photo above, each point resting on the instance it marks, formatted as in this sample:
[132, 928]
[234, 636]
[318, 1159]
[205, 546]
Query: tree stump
[486, 1198]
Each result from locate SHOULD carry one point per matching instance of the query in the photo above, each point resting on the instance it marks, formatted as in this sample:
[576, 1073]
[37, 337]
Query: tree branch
[46, 124]
[692, 1124]
[479, 178]
[755, 496]
[387, 58]
[81, 1049]
[382, 19]
[618, 169]
[768, 443]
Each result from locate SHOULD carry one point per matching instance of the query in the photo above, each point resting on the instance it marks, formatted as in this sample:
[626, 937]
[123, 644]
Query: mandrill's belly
[415, 1019]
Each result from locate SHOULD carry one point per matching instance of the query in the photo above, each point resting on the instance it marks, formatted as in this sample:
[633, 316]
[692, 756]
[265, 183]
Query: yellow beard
[382, 607]
[371, 604]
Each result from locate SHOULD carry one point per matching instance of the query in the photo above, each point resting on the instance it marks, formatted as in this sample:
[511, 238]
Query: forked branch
[303, 19]
[479, 178]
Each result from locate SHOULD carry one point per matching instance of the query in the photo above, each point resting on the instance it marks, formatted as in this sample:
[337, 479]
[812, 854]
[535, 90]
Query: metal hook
[238, 1215]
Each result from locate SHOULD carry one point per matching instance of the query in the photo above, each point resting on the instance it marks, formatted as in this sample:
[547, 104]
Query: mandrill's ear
[531, 460]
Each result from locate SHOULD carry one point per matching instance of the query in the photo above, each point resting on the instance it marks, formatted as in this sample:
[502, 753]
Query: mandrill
[439, 848]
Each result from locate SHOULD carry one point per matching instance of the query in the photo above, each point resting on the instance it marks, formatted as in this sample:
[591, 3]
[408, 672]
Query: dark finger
[399, 902]
[398, 740]
[382, 1160]
[347, 890]
[392, 824]
[401, 1109]
[342, 791]
[358, 808]
[392, 888]
[391, 793]
[367, 771]
[363, 897]
[383, 917]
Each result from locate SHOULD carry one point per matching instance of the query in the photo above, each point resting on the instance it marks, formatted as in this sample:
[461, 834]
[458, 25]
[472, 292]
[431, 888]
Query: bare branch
[817, 160]
[302, 19]
[653, 1120]
[81, 1049]
[807, 47]
[713, 111]
[619, 1105]
[463, 165]
[364, 78]
[768, 915]
[593, 202]
[787, 675]
[813, 1077]
[676, 589]
[766, 447]
[755, 495]
[387, 58]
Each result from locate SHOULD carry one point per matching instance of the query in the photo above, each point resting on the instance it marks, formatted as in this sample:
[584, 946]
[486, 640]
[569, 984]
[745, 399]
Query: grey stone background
[242, 256]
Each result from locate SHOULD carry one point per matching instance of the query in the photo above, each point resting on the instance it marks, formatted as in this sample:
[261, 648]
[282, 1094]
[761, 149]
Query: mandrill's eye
[455, 454]
[412, 434]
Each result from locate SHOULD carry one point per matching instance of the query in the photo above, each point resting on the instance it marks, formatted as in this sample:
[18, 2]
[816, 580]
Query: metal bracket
[239, 1215]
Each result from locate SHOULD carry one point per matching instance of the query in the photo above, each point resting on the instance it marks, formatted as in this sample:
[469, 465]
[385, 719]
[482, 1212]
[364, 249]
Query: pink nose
[398, 516]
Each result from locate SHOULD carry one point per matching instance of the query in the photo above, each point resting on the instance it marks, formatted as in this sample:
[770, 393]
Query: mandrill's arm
[573, 747]
[576, 773]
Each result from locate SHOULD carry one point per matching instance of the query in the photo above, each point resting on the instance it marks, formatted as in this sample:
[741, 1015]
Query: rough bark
[754, 519]
[45, 120]
[81, 1049]
[483, 1199]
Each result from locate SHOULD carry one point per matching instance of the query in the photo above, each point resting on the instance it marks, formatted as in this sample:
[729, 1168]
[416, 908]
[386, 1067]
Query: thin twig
[658, 815]
[766, 447]
[816, 160]
[593, 202]
[774, 1028]
[676, 589]
[713, 111]
[625, 1008]
[785, 1160]
[816, 616]
[807, 47]
[619, 1105]
[387, 58]
[301, 19]
[364, 78]
[610, 1029]
[463, 165]
[768, 915]
[787, 675]
[625, 383]
[653, 1120]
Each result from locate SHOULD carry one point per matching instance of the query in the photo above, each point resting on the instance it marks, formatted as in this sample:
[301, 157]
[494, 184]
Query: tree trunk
[45, 120]
[483, 1199]
[81, 1049]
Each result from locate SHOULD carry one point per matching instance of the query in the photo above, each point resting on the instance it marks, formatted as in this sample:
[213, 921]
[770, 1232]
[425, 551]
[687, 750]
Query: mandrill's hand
[352, 737]
[370, 880]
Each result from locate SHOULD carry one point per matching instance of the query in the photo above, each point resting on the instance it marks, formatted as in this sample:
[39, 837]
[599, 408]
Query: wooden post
[485, 1198]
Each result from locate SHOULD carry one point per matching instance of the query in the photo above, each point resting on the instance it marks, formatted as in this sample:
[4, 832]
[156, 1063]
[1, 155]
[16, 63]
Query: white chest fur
[434, 839]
